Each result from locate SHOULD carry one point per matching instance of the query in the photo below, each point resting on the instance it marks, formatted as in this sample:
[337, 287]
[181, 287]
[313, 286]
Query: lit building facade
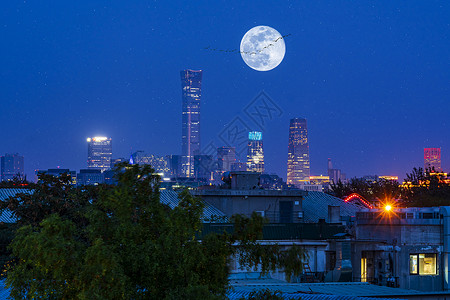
[226, 156]
[11, 166]
[191, 85]
[298, 169]
[432, 159]
[99, 153]
[158, 163]
[255, 152]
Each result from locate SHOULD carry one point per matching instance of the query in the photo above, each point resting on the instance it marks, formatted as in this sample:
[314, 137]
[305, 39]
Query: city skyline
[360, 73]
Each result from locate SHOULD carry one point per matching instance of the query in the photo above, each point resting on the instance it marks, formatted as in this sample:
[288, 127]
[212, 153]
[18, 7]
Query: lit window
[423, 264]
[413, 264]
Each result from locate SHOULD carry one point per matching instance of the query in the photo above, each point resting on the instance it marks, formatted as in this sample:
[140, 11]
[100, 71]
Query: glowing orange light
[388, 207]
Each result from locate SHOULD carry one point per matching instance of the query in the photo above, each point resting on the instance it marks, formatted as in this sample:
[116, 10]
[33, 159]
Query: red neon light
[354, 196]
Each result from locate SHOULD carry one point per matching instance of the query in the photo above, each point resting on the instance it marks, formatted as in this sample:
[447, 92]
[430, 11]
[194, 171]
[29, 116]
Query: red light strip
[354, 196]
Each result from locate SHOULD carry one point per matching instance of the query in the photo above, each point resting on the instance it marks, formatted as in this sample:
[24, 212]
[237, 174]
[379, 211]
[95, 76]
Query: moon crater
[262, 48]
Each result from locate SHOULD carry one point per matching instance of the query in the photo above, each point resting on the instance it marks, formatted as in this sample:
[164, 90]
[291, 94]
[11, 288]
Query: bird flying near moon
[262, 48]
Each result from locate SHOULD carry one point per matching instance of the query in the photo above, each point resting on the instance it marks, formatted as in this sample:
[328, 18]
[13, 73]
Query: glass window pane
[413, 264]
[427, 264]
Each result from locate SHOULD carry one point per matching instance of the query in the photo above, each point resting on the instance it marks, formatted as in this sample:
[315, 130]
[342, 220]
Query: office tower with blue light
[191, 86]
[298, 169]
[12, 166]
[255, 152]
[99, 153]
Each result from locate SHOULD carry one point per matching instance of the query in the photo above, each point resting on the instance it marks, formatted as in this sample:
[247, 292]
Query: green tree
[121, 242]
[422, 188]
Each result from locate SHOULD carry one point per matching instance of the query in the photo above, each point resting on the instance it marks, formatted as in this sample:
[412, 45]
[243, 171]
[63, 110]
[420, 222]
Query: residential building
[242, 194]
[403, 247]
[298, 169]
[12, 166]
[99, 153]
[191, 85]
[255, 152]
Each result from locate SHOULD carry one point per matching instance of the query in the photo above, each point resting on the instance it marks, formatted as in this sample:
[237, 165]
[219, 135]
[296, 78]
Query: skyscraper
[255, 152]
[11, 166]
[191, 85]
[225, 157]
[99, 153]
[432, 159]
[298, 153]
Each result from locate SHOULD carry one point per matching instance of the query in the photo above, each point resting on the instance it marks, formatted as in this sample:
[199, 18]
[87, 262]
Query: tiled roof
[315, 206]
[5, 193]
[210, 213]
[325, 291]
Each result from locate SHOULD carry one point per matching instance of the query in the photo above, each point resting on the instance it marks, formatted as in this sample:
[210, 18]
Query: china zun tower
[191, 85]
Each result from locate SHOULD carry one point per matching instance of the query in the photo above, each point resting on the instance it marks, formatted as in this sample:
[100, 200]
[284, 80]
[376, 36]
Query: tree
[423, 188]
[121, 242]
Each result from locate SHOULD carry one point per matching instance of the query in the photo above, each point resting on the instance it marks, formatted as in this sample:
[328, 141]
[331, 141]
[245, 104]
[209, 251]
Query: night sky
[371, 77]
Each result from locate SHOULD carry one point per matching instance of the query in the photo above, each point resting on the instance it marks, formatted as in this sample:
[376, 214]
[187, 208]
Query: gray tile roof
[332, 290]
[210, 213]
[5, 193]
[315, 206]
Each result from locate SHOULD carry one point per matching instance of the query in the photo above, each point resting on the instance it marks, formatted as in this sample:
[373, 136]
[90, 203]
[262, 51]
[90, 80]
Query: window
[413, 264]
[423, 264]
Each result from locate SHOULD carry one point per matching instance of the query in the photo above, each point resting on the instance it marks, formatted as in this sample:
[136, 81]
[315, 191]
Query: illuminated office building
[158, 163]
[191, 85]
[12, 166]
[99, 153]
[298, 153]
[255, 152]
[432, 159]
[226, 156]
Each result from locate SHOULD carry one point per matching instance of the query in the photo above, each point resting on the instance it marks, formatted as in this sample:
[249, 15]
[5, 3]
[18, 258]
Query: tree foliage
[373, 191]
[121, 242]
[423, 188]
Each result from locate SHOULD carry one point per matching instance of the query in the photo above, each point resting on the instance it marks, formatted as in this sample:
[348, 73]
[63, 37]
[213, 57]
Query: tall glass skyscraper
[255, 152]
[298, 153]
[11, 166]
[99, 153]
[191, 85]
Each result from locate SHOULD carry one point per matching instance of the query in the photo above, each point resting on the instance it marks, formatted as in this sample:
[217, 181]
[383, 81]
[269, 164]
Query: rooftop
[315, 206]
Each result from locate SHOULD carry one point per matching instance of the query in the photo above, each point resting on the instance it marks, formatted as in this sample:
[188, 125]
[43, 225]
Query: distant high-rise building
[159, 164]
[255, 152]
[191, 85]
[226, 156]
[432, 159]
[174, 164]
[99, 153]
[239, 166]
[204, 166]
[298, 153]
[11, 166]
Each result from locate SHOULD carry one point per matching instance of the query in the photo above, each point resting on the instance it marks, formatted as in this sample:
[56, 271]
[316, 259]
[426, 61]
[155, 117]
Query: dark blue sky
[371, 77]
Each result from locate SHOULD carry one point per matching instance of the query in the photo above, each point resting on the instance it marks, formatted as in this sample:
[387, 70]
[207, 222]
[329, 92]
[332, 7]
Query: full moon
[262, 48]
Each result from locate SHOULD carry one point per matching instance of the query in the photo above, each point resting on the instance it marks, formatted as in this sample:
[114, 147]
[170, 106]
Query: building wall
[386, 242]
[246, 202]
